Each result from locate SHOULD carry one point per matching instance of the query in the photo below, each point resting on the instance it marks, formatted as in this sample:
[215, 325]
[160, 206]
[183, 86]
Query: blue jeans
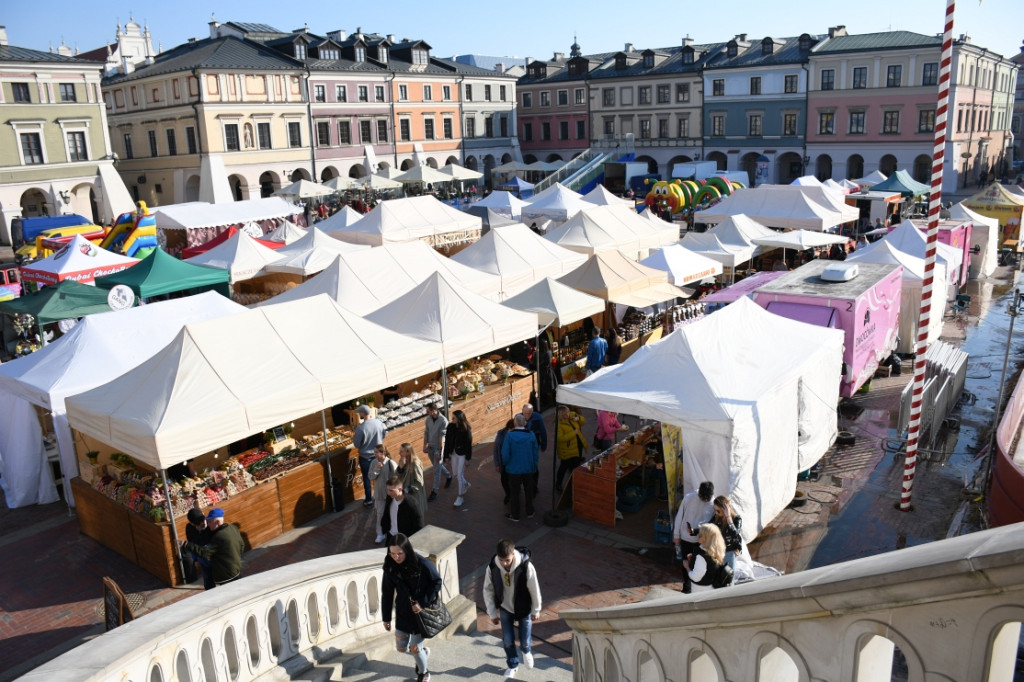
[364, 469]
[508, 636]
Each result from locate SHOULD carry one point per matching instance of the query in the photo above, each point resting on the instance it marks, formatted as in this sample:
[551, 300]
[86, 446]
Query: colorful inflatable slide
[687, 195]
[133, 234]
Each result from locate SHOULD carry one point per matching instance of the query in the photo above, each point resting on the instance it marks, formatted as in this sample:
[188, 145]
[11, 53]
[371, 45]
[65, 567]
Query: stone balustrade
[279, 621]
[948, 610]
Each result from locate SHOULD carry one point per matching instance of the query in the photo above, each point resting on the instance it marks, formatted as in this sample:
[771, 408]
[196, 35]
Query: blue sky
[527, 28]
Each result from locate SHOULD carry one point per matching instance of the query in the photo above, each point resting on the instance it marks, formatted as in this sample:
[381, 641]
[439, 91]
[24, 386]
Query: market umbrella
[304, 189]
[460, 173]
[378, 182]
[340, 184]
[423, 174]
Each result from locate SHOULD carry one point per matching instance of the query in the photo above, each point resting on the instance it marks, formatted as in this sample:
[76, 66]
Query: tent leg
[174, 528]
[554, 517]
[327, 454]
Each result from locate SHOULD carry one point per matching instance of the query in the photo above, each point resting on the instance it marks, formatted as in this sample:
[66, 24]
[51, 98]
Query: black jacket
[523, 600]
[731, 533]
[711, 575]
[405, 582]
[457, 442]
[410, 517]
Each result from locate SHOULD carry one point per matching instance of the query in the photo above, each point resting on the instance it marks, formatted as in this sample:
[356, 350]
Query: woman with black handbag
[410, 584]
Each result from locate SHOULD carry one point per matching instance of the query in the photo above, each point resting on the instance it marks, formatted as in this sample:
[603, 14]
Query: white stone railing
[283, 620]
[948, 610]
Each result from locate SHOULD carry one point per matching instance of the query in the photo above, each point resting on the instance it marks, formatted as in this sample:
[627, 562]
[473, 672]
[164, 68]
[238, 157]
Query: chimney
[391, 38]
[687, 41]
[336, 36]
[214, 28]
[192, 40]
[3, 35]
[836, 31]
[740, 37]
[500, 67]
[628, 47]
[559, 57]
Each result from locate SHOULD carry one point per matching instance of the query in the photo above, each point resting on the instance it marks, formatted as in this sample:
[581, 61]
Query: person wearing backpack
[512, 595]
[707, 565]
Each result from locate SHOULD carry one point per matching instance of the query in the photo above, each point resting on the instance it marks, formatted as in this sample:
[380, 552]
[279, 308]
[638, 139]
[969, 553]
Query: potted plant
[156, 514]
[93, 456]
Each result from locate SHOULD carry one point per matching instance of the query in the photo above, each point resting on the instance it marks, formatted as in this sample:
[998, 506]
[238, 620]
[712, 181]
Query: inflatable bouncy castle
[133, 234]
[685, 196]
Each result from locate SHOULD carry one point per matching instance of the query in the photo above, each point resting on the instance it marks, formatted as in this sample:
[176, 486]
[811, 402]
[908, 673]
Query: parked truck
[619, 174]
[694, 170]
[862, 299]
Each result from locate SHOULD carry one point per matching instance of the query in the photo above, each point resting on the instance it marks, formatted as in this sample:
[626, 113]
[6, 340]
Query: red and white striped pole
[934, 205]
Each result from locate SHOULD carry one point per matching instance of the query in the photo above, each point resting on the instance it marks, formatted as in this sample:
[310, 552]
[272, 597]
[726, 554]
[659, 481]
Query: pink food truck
[862, 299]
[734, 292]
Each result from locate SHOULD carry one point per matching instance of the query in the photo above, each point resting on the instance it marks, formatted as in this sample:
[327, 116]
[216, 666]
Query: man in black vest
[512, 595]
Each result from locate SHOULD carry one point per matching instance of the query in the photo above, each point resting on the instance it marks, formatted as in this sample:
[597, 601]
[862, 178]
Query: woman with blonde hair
[708, 566]
[411, 471]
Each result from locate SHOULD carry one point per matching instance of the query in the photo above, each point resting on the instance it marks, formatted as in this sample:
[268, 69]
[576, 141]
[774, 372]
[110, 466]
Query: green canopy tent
[160, 273]
[65, 300]
[901, 182]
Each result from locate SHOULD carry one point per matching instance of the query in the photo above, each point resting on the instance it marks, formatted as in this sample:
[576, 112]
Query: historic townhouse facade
[755, 99]
[1017, 119]
[488, 102]
[54, 151]
[554, 107]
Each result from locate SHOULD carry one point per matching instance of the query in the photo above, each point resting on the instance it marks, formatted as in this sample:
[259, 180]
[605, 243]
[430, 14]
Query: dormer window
[360, 54]
[538, 71]
[805, 42]
[648, 61]
[687, 55]
[382, 54]
[731, 50]
[328, 54]
[620, 61]
[420, 57]
[767, 46]
[300, 51]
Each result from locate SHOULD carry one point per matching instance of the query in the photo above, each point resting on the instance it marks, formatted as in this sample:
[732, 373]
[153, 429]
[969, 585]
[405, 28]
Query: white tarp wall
[26, 475]
[754, 393]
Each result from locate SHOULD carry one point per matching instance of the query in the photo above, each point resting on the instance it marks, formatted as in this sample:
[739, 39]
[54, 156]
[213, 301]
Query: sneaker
[448, 481]
[511, 672]
[530, 515]
[433, 496]
[367, 503]
[511, 518]
[380, 538]
[458, 501]
[423, 677]
[528, 659]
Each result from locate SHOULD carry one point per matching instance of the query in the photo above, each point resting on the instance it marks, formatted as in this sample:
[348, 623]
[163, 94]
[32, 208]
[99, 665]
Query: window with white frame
[319, 93]
[76, 146]
[382, 130]
[894, 76]
[67, 92]
[262, 135]
[487, 93]
[428, 129]
[791, 84]
[31, 149]
[789, 124]
[403, 93]
[890, 122]
[404, 130]
[323, 133]
[683, 127]
[378, 93]
[754, 125]
[828, 79]
[294, 134]
[563, 98]
[718, 125]
[341, 93]
[580, 96]
[448, 127]
[469, 127]
[344, 132]
[545, 98]
[857, 121]
[682, 92]
[21, 93]
[231, 139]
[643, 95]
[446, 93]
[364, 93]
[366, 132]
[360, 53]
[428, 93]
[827, 123]
[926, 121]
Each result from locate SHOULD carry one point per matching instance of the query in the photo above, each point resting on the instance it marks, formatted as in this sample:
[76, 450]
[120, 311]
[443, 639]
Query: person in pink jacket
[607, 426]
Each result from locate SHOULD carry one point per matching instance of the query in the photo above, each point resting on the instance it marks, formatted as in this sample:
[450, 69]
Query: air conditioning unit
[840, 272]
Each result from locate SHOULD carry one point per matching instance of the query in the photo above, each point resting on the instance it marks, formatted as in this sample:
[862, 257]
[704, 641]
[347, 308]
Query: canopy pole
[327, 454]
[174, 527]
[536, 353]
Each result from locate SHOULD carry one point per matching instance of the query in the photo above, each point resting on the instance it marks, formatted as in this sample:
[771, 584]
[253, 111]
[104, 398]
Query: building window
[545, 98]
[684, 127]
[300, 51]
[502, 93]
[403, 130]
[682, 92]
[643, 95]
[563, 98]
[718, 87]
[263, 135]
[341, 93]
[579, 96]
[378, 93]
[789, 125]
[664, 94]
[828, 79]
[754, 125]
[448, 128]
[76, 146]
[893, 76]
[446, 93]
[755, 85]
[545, 131]
[527, 100]
[648, 61]
[608, 97]
[21, 92]
[663, 127]
[365, 132]
[294, 134]
[364, 93]
[527, 132]
[503, 126]
[151, 138]
[323, 133]
[32, 148]
[403, 93]
[129, 149]
[931, 74]
[826, 123]
[469, 92]
[428, 93]
[718, 125]
[609, 126]
[791, 84]
[360, 54]
[563, 130]
[581, 130]
[890, 122]
[428, 128]
[190, 139]
[382, 131]
[470, 128]
[230, 138]
[860, 77]
[67, 92]
[857, 120]
[487, 93]
[926, 121]
[420, 57]
[172, 143]
[320, 93]
[688, 55]
[344, 132]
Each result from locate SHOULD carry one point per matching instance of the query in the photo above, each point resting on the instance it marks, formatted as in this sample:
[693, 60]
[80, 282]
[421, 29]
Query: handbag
[434, 618]
[581, 445]
[597, 442]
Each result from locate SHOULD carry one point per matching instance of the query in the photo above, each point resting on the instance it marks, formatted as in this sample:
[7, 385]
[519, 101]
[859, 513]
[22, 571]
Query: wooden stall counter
[595, 482]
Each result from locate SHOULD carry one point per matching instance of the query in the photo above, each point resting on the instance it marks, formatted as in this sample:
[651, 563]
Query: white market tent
[366, 280]
[741, 230]
[908, 238]
[799, 240]
[460, 173]
[241, 255]
[465, 324]
[838, 187]
[710, 246]
[201, 214]
[205, 389]
[503, 202]
[783, 206]
[849, 185]
[807, 181]
[602, 197]
[606, 228]
[343, 218]
[555, 303]
[424, 175]
[98, 349]
[519, 256]
[404, 220]
[305, 189]
[79, 260]
[910, 293]
[871, 179]
[984, 235]
[558, 202]
[749, 426]
[682, 265]
[612, 276]
[288, 233]
[311, 254]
